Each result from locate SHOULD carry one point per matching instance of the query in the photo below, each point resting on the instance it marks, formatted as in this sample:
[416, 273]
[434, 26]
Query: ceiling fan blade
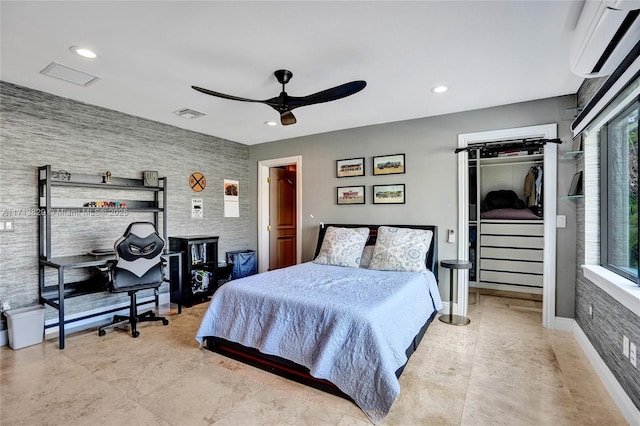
[287, 118]
[332, 94]
[222, 95]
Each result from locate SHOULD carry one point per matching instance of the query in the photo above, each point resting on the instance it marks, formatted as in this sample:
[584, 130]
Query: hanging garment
[530, 187]
[539, 187]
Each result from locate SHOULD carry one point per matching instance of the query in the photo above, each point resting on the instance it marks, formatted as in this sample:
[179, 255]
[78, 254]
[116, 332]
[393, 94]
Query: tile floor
[502, 369]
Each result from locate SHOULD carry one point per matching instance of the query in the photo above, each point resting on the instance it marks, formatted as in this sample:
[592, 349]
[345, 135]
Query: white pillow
[401, 249]
[365, 259]
[342, 246]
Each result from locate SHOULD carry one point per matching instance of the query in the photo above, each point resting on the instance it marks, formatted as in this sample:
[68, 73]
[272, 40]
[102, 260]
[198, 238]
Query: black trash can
[244, 263]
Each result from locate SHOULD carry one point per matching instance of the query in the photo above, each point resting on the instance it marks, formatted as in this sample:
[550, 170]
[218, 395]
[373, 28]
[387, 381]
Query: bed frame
[299, 373]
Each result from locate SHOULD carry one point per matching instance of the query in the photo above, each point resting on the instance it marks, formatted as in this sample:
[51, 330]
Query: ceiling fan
[284, 103]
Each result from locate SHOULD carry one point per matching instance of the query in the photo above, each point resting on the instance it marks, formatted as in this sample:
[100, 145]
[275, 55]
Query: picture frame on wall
[350, 167]
[389, 194]
[388, 164]
[350, 195]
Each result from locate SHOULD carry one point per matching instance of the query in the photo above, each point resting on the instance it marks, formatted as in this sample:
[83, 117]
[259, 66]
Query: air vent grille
[189, 113]
[69, 75]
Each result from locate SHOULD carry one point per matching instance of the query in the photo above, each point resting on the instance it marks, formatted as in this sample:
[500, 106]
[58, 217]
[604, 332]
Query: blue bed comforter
[349, 326]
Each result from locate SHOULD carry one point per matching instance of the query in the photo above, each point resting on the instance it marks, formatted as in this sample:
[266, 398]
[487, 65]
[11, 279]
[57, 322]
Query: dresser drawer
[511, 278]
[512, 266]
[512, 241]
[511, 254]
[534, 229]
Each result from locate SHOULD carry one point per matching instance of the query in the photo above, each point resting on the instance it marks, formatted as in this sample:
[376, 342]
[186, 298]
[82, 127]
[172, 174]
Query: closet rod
[511, 163]
[508, 144]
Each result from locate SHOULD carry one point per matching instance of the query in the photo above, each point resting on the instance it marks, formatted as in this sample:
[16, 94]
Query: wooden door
[282, 217]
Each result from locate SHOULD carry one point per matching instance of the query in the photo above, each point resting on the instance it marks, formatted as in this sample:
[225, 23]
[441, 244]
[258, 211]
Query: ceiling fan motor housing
[283, 76]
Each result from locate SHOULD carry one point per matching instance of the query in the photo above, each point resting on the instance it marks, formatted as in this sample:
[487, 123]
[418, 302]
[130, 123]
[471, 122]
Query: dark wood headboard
[432, 255]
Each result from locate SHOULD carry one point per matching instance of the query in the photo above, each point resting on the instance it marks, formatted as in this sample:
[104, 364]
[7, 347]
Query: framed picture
[576, 185]
[388, 164]
[388, 194]
[350, 167]
[350, 195]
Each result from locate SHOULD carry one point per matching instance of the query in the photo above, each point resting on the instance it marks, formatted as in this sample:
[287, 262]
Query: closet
[507, 253]
[506, 215]
[506, 232]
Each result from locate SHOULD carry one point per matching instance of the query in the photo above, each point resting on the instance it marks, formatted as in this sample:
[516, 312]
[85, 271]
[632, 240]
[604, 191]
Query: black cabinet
[199, 268]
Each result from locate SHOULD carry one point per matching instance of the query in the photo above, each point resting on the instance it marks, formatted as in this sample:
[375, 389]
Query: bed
[348, 329]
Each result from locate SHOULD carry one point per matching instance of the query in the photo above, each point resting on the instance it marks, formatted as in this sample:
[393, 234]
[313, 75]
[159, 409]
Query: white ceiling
[488, 52]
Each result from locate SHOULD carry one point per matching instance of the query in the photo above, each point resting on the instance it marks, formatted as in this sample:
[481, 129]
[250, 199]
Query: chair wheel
[101, 332]
[165, 322]
[135, 333]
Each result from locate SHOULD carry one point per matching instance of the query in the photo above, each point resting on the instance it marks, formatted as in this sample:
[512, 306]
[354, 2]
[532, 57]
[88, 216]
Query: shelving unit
[200, 267]
[506, 254]
[50, 206]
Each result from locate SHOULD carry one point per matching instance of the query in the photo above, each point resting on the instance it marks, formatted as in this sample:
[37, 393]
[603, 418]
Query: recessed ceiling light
[84, 52]
[270, 123]
[439, 89]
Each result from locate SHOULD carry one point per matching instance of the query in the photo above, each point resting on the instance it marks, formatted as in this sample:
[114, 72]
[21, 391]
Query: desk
[454, 265]
[54, 295]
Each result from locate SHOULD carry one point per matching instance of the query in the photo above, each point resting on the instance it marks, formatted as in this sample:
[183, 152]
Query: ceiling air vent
[189, 113]
[70, 75]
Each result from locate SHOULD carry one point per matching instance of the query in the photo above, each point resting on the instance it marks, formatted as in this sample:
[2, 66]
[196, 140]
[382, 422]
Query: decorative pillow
[342, 246]
[367, 254]
[401, 249]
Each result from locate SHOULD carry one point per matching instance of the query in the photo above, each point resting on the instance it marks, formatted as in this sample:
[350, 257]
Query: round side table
[453, 265]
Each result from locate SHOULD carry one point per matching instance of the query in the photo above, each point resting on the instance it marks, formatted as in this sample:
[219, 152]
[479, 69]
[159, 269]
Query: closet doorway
[291, 231]
[544, 234]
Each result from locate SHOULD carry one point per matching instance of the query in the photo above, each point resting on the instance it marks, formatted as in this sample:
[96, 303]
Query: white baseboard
[619, 396]
[564, 324]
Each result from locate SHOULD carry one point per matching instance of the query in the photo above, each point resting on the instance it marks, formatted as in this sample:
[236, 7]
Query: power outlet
[625, 346]
[632, 355]
[6, 305]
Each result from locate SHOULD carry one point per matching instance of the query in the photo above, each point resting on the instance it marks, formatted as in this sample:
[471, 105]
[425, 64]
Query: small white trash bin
[26, 326]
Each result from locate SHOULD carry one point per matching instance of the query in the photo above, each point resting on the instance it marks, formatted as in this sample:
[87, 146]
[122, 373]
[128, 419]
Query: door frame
[550, 177]
[263, 207]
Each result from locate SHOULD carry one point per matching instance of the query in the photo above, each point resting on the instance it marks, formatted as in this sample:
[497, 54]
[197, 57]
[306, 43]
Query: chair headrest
[140, 240]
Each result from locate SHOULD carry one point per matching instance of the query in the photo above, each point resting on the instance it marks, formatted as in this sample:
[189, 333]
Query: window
[619, 193]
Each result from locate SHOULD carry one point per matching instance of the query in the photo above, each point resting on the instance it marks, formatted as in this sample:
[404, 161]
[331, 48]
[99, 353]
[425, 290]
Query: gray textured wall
[611, 320]
[431, 175]
[38, 128]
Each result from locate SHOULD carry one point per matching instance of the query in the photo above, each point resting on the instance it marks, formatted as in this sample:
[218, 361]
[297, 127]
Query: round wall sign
[197, 182]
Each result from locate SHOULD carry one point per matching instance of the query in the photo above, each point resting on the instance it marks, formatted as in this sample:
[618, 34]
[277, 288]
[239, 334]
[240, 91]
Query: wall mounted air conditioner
[606, 32]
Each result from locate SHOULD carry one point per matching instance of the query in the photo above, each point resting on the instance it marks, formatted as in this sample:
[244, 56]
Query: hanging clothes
[530, 187]
[533, 190]
[539, 187]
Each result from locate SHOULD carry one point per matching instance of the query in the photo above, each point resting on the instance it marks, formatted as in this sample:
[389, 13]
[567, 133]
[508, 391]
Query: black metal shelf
[75, 289]
[139, 187]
